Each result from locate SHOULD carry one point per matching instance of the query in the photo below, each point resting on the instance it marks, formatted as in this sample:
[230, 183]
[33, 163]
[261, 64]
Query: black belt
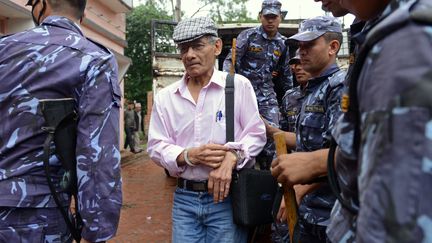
[195, 186]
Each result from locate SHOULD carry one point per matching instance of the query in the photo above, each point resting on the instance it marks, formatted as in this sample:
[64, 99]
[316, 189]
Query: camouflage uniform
[395, 151]
[257, 56]
[291, 106]
[53, 61]
[342, 223]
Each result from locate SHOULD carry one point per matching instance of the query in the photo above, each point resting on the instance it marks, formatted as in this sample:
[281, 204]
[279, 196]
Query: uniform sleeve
[286, 75]
[161, 146]
[98, 155]
[333, 111]
[250, 137]
[283, 110]
[241, 45]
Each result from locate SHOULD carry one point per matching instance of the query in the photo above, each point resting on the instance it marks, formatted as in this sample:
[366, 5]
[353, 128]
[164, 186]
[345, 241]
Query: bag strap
[59, 114]
[229, 107]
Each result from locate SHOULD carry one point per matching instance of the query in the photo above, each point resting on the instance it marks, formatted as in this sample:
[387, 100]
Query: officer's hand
[84, 241]
[220, 179]
[295, 168]
[210, 155]
[275, 74]
[302, 190]
[281, 215]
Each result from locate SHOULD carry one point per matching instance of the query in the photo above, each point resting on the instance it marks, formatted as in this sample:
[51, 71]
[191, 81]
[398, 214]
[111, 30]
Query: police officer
[390, 108]
[259, 52]
[55, 60]
[292, 100]
[319, 42]
[290, 108]
[343, 216]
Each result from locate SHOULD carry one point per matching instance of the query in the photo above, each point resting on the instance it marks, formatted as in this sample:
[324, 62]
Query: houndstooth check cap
[191, 29]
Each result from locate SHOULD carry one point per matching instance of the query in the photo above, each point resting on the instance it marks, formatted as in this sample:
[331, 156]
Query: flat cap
[271, 7]
[194, 28]
[310, 29]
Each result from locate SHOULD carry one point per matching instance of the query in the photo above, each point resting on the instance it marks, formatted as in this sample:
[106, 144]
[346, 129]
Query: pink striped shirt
[177, 122]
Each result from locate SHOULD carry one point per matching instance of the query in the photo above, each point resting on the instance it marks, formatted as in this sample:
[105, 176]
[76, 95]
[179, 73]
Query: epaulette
[337, 78]
[108, 51]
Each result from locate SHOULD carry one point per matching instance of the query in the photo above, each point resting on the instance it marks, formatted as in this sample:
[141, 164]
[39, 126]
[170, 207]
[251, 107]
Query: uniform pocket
[23, 233]
[391, 180]
[311, 128]
[116, 92]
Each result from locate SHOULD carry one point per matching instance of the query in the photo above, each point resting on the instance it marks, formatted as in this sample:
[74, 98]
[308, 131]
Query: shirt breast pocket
[311, 131]
[219, 131]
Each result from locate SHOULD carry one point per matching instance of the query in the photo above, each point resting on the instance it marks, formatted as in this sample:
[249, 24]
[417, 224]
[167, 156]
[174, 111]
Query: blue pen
[218, 116]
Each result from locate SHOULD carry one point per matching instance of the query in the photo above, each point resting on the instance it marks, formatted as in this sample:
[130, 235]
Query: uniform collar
[261, 31]
[327, 73]
[359, 38]
[62, 22]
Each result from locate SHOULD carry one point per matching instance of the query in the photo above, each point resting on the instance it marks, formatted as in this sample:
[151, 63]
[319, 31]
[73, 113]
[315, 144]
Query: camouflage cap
[194, 28]
[271, 7]
[295, 59]
[310, 29]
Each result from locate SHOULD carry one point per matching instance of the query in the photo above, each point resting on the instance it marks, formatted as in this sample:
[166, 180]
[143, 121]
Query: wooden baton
[289, 193]
[233, 56]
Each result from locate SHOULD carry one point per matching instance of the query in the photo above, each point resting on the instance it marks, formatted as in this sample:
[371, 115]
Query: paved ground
[147, 201]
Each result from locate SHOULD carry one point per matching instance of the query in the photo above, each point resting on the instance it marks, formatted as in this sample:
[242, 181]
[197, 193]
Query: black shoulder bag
[252, 191]
[60, 124]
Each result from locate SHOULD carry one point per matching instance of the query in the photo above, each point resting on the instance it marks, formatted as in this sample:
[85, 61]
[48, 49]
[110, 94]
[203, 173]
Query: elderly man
[187, 136]
[260, 52]
[319, 41]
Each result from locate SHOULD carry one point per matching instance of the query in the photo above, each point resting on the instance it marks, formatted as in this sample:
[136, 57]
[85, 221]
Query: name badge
[315, 108]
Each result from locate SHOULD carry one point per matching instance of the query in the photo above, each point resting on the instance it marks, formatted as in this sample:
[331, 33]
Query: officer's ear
[334, 47]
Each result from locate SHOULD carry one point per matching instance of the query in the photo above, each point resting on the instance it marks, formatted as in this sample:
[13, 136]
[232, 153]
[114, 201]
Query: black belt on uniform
[195, 186]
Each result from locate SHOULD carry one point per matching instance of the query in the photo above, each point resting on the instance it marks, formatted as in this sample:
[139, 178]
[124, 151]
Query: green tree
[228, 11]
[138, 29]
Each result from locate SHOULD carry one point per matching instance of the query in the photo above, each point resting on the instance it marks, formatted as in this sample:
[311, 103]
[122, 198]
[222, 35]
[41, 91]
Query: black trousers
[130, 138]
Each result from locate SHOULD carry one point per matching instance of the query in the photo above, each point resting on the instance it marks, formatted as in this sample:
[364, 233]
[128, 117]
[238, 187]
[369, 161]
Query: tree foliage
[138, 29]
[228, 11]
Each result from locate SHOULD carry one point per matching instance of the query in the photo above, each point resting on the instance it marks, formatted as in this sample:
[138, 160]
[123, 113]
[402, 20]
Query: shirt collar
[62, 22]
[216, 79]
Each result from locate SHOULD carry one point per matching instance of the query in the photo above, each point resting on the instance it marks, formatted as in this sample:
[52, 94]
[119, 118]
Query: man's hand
[281, 215]
[300, 167]
[210, 155]
[220, 178]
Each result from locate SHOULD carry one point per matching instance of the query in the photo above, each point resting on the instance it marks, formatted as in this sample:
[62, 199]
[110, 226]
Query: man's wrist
[186, 157]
